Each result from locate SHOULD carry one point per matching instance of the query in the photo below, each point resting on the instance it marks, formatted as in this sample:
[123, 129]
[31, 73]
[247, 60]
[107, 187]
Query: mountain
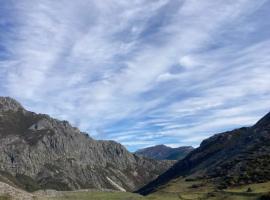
[233, 158]
[163, 152]
[37, 151]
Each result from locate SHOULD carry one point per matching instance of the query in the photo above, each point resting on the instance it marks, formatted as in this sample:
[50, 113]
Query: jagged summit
[15, 120]
[8, 103]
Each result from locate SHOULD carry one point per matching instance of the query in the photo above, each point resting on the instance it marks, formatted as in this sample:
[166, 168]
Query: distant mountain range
[233, 158]
[163, 152]
[37, 151]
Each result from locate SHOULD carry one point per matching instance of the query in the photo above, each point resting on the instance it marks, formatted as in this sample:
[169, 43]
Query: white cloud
[108, 65]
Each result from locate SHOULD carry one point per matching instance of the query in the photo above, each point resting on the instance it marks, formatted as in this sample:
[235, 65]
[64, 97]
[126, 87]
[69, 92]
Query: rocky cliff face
[163, 152]
[37, 151]
[233, 158]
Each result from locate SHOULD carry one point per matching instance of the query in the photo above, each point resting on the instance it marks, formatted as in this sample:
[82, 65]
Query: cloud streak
[153, 72]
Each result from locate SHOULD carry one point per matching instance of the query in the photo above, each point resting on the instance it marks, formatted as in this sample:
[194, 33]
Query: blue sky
[140, 72]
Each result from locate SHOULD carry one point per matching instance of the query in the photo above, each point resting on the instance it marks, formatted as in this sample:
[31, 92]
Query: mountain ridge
[37, 151]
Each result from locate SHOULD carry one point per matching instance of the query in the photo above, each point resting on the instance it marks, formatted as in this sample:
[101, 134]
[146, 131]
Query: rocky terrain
[9, 192]
[233, 158]
[37, 151]
[163, 152]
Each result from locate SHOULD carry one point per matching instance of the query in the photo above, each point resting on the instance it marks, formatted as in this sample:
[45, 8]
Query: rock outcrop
[37, 151]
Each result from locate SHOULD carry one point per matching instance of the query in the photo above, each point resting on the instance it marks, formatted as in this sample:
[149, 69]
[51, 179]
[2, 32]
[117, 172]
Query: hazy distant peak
[163, 152]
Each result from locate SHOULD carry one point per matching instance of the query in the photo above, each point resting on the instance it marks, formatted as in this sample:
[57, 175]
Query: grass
[179, 189]
[96, 196]
[255, 188]
[109, 196]
[5, 197]
[157, 196]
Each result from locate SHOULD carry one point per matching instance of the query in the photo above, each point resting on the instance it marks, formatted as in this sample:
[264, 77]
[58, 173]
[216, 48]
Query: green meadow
[177, 190]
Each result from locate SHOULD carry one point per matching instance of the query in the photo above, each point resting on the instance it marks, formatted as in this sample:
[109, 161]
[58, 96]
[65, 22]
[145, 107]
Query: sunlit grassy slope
[201, 189]
[177, 190]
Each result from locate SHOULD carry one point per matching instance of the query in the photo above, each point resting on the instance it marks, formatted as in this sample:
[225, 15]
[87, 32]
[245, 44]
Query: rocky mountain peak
[38, 151]
[7, 103]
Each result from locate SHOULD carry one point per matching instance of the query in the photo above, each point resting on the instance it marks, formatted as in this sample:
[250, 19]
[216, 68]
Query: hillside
[37, 151]
[163, 152]
[229, 159]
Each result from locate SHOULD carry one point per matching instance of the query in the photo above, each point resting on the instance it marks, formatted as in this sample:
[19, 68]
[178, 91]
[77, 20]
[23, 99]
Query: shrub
[265, 197]
[28, 183]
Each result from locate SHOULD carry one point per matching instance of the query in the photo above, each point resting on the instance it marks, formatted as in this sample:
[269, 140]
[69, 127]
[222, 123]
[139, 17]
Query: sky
[141, 72]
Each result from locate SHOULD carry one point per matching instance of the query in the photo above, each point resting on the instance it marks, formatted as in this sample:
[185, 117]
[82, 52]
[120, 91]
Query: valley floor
[178, 190]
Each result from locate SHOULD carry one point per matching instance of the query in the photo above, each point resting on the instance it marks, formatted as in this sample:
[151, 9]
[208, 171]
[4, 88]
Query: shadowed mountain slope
[237, 157]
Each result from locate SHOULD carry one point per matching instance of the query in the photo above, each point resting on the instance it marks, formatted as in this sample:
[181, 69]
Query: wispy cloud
[152, 72]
